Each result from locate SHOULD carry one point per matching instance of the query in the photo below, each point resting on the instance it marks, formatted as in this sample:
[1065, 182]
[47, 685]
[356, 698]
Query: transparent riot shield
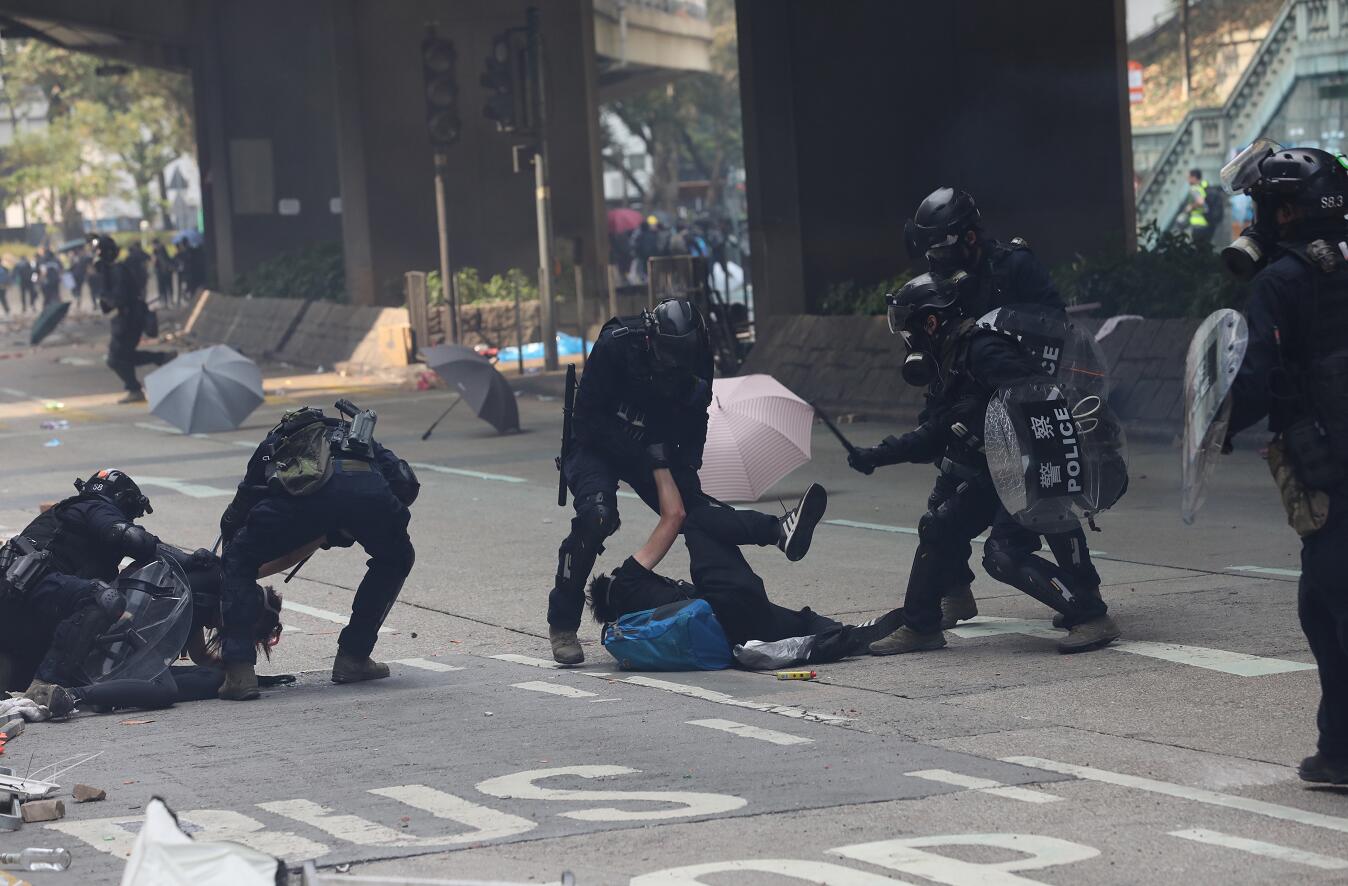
[1063, 349]
[152, 632]
[1056, 454]
[1210, 368]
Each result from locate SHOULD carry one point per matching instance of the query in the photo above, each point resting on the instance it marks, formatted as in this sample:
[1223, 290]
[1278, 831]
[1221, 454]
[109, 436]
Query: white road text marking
[553, 689]
[722, 698]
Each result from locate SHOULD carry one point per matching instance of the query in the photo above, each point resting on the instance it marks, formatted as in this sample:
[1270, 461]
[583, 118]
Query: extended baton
[847, 444]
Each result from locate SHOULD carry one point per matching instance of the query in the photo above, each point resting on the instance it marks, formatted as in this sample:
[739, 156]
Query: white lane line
[875, 527]
[984, 785]
[1184, 792]
[722, 698]
[182, 487]
[528, 660]
[744, 730]
[425, 664]
[464, 472]
[169, 429]
[1267, 570]
[1239, 664]
[14, 392]
[554, 689]
[324, 614]
[1259, 847]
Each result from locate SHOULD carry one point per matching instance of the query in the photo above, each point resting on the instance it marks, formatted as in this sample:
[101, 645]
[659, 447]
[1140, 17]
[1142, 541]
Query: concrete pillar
[212, 151]
[357, 246]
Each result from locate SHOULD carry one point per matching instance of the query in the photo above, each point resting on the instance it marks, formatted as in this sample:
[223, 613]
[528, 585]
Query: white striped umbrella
[757, 433]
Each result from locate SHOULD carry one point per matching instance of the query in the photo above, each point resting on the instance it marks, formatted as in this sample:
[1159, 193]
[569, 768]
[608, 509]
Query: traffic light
[442, 92]
[500, 79]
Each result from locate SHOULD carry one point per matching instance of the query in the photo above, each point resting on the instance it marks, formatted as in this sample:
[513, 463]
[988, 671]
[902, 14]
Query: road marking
[1239, 664]
[169, 429]
[554, 689]
[464, 472]
[117, 835]
[426, 664]
[984, 786]
[486, 823]
[1184, 792]
[1259, 847]
[324, 614]
[528, 660]
[192, 490]
[722, 698]
[874, 527]
[351, 828]
[1267, 570]
[521, 786]
[744, 730]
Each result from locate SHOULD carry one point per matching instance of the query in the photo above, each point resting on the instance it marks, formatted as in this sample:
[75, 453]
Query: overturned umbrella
[213, 389]
[478, 383]
[757, 433]
[48, 320]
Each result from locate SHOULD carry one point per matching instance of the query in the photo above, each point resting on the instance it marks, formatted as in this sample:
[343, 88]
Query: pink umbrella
[757, 433]
[620, 221]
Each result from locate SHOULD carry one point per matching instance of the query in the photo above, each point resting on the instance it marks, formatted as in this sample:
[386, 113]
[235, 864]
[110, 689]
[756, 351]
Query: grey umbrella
[477, 382]
[213, 389]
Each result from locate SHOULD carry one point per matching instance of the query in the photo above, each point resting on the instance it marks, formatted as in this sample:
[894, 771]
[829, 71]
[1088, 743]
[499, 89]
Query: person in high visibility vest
[1200, 228]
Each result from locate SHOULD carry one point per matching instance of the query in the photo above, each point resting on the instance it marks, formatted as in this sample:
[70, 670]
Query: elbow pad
[133, 541]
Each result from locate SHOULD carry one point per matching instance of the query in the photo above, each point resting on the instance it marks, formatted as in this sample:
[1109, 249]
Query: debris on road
[166, 856]
[55, 425]
[52, 443]
[83, 793]
[43, 810]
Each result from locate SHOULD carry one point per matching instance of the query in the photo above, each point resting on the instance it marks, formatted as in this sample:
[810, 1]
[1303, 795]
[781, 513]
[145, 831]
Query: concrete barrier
[304, 333]
[851, 365]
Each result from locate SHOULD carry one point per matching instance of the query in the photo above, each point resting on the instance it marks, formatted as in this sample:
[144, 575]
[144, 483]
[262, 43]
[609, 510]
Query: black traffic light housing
[438, 59]
[505, 77]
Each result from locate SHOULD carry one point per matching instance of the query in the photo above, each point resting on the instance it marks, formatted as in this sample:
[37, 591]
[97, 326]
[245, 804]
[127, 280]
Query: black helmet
[105, 247]
[119, 489]
[1312, 180]
[940, 221]
[926, 296]
[678, 335]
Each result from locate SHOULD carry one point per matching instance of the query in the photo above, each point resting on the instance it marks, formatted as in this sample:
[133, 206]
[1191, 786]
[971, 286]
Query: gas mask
[950, 256]
[1249, 252]
[919, 367]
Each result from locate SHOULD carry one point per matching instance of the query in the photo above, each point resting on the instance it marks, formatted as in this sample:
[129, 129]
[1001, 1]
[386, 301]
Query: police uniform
[1298, 315]
[361, 501]
[623, 411]
[120, 294]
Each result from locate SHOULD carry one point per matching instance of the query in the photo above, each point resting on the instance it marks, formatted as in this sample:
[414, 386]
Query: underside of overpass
[853, 111]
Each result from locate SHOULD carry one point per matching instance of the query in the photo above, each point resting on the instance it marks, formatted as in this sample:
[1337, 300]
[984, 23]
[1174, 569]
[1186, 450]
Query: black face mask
[919, 369]
[1249, 252]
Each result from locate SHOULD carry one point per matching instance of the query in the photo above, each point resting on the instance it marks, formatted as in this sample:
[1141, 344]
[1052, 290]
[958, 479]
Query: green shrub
[473, 289]
[1168, 276]
[850, 298]
[315, 272]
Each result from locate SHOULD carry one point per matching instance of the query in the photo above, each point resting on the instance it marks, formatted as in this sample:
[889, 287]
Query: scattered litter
[796, 675]
[53, 405]
[414, 635]
[75, 361]
[52, 443]
[344, 868]
[136, 722]
[59, 424]
[83, 793]
[165, 856]
[35, 859]
[547, 519]
[320, 368]
[11, 729]
[488, 714]
[43, 810]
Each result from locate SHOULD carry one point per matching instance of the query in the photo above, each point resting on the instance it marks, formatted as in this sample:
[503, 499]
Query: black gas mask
[1248, 253]
[925, 298]
[678, 348]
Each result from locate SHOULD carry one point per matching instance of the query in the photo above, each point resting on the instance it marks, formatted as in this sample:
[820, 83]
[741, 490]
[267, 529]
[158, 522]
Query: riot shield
[1063, 349]
[1056, 453]
[152, 632]
[1210, 368]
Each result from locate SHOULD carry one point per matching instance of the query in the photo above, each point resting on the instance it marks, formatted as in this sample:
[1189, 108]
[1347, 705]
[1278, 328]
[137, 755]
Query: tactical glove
[659, 455]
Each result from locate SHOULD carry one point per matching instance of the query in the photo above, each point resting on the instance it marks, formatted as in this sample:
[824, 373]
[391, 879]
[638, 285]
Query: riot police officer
[963, 364]
[642, 404]
[1295, 372]
[54, 586]
[121, 294]
[315, 477]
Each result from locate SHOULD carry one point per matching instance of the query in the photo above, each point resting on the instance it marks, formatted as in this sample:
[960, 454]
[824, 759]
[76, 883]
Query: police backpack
[300, 462]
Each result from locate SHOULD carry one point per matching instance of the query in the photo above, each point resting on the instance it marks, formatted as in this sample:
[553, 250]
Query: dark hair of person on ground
[266, 630]
[601, 605]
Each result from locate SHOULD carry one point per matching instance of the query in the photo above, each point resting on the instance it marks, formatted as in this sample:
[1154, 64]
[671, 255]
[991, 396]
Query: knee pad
[929, 528]
[596, 519]
[999, 564]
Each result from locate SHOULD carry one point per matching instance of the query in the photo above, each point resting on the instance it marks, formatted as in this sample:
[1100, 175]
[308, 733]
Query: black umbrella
[48, 320]
[478, 383]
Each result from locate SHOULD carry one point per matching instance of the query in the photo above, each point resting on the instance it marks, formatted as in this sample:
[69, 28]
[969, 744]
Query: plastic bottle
[36, 859]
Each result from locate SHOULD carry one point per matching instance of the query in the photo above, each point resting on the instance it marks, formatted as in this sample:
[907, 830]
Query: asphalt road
[1166, 758]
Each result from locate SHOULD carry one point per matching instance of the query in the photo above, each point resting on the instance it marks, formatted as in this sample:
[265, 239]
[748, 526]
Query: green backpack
[301, 462]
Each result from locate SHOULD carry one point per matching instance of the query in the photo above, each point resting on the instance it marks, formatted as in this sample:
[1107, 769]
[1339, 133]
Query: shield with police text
[152, 632]
[1056, 453]
[1062, 348]
[1210, 369]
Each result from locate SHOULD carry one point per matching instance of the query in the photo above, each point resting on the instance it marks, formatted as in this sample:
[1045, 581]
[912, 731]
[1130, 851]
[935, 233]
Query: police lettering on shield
[1055, 470]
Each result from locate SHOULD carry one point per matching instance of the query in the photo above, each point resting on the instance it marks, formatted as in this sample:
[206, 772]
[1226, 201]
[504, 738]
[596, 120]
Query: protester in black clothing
[163, 272]
[1295, 372]
[121, 295]
[964, 364]
[23, 274]
[49, 279]
[80, 266]
[642, 404]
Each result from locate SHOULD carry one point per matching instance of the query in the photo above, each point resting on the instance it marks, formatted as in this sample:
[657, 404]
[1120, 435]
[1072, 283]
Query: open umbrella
[48, 320]
[757, 433]
[478, 383]
[620, 221]
[213, 389]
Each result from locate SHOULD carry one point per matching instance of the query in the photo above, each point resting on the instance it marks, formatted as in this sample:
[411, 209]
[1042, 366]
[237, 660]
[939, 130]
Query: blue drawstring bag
[681, 636]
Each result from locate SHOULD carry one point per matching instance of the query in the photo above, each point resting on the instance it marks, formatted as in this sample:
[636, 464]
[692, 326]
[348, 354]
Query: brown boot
[1093, 634]
[565, 646]
[350, 669]
[240, 682]
[957, 605]
[41, 692]
[905, 639]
